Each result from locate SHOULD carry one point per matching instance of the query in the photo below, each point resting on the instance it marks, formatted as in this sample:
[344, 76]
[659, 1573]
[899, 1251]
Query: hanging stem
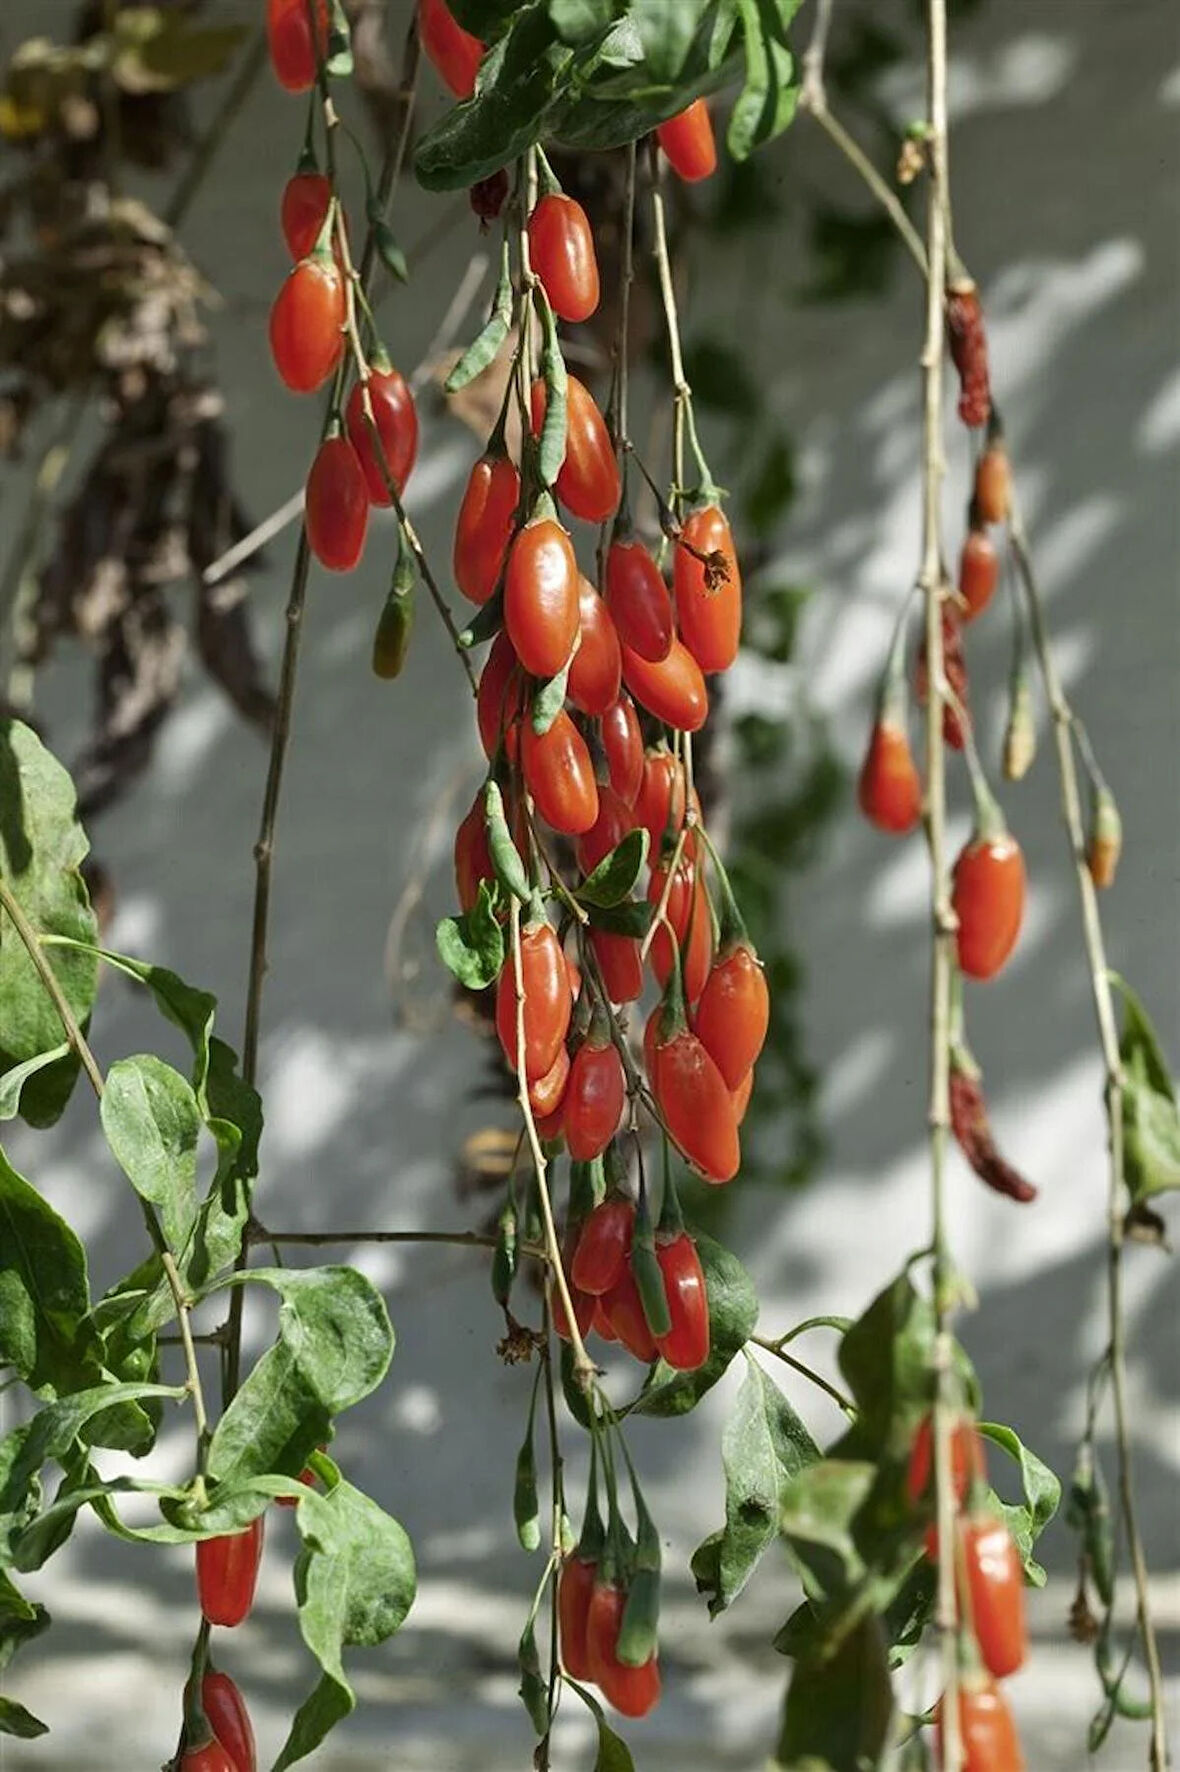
[930, 580]
[1071, 806]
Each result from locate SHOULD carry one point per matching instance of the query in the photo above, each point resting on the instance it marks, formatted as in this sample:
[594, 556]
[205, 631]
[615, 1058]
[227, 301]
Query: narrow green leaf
[551, 448]
[486, 623]
[525, 1507]
[617, 874]
[16, 1720]
[613, 1753]
[13, 1081]
[485, 348]
[533, 1690]
[766, 104]
[519, 80]
[550, 698]
[506, 859]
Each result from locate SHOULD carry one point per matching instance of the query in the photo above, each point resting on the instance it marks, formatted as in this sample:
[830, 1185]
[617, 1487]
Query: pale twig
[930, 579]
[1064, 724]
[816, 1378]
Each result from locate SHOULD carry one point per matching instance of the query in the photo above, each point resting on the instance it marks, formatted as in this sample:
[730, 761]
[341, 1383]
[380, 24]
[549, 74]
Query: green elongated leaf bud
[391, 642]
[389, 252]
[534, 1693]
[504, 1257]
[550, 699]
[487, 624]
[525, 1507]
[484, 349]
[551, 447]
[639, 1631]
[510, 869]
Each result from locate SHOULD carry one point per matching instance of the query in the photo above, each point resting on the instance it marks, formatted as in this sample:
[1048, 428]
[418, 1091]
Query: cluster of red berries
[989, 1587]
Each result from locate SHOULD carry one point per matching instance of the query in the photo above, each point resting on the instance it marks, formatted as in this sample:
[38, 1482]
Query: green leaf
[613, 1753]
[42, 846]
[766, 104]
[14, 1080]
[817, 1515]
[763, 1447]
[44, 1294]
[886, 1357]
[151, 1120]
[616, 875]
[334, 1347]
[550, 698]
[578, 22]
[20, 1620]
[525, 1508]
[1088, 1513]
[1151, 1123]
[552, 442]
[533, 1691]
[485, 348]
[1042, 1496]
[518, 82]
[16, 1720]
[733, 1312]
[632, 917]
[838, 1712]
[354, 1585]
[51, 1434]
[472, 947]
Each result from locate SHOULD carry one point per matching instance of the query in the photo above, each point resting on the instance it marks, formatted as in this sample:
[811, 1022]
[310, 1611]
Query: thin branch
[930, 580]
[884, 194]
[1064, 725]
[326, 1239]
[681, 391]
[817, 1378]
[812, 90]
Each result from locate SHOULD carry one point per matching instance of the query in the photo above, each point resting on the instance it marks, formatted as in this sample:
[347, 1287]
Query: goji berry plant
[598, 929]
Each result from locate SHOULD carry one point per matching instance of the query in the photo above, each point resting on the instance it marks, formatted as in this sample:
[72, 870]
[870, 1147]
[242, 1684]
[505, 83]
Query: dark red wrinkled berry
[488, 196]
[967, 338]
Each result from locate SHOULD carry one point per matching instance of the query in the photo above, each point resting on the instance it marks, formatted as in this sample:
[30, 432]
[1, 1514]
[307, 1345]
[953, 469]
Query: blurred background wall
[1065, 170]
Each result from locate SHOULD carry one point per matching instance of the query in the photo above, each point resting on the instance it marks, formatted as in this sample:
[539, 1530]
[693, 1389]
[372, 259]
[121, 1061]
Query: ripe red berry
[687, 140]
[227, 1573]
[302, 211]
[452, 52]
[306, 323]
[561, 251]
[708, 596]
[336, 505]
[988, 900]
[890, 788]
[293, 49]
[979, 572]
[541, 597]
[993, 484]
[484, 526]
[396, 418]
[733, 1015]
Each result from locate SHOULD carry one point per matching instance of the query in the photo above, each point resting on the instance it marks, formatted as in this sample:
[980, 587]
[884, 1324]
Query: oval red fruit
[708, 597]
[687, 140]
[229, 1719]
[979, 572]
[484, 527]
[560, 775]
[622, 741]
[995, 1583]
[625, 1313]
[452, 52]
[673, 690]
[336, 506]
[988, 1733]
[541, 597]
[633, 1691]
[575, 1588]
[588, 481]
[733, 1015]
[639, 600]
[614, 820]
[594, 1100]
[227, 1573]
[210, 1758]
[293, 50]
[499, 698]
[620, 965]
[396, 418]
[596, 674]
[993, 484]
[686, 1345]
[306, 323]
[697, 1107]
[561, 252]
[604, 1245]
[304, 205]
[547, 1005]
[987, 896]
[890, 789]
